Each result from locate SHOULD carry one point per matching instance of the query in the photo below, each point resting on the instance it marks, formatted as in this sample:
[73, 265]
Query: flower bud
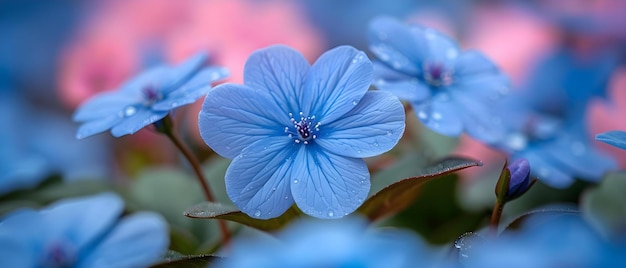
[520, 180]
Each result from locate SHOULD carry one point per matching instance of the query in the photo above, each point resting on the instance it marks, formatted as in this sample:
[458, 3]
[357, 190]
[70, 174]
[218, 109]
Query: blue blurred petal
[545, 170]
[473, 62]
[137, 240]
[102, 105]
[179, 75]
[336, 83]
[616, 138]
[441, 48]
[280, 70]
[480, 120]
[394, 44]
[97, 126]
[326, 185]
[235, 116]
[373, 127]
[137, 121]
[16, 253]
[257, 180]
[442, 117]
[83, 220]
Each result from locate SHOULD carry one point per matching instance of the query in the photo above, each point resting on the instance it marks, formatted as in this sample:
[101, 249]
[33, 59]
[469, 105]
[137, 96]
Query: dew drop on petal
[273, 189]
[295, 181]
[355, 102]
[331, 213]
[375, 144]
[286, 197]
[257, 213]
[437, 116]
[129, 110]
[422, 115]
[389, 133]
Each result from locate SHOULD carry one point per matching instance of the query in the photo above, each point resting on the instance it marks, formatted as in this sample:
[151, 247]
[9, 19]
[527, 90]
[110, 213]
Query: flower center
[303, 130]
[436, 74]
[58, 255]
[151, 95]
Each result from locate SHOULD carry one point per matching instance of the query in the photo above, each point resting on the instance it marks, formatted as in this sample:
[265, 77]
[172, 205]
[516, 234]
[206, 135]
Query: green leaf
[176, 260]
[605, 205]
[502, 186]
[208, 210]
[397, 196]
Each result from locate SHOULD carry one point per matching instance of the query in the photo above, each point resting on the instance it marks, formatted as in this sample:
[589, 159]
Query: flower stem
[168, 130]
[495, 217]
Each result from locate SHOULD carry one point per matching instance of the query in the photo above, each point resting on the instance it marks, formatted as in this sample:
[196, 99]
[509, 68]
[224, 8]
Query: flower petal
[440, 115]
[192, 90]
[83, 219]
[102, 105]
[336, 83]
[137, 240]
[394, 44]
[441, 48]
[403, 86]
[327, 185]
[178, 75]
[137, 121]
[373, 127]
[97, 126]
[235, 116]
[480, 121]
[257, 180]
[280, 70]
[616, 138]
[545, 170]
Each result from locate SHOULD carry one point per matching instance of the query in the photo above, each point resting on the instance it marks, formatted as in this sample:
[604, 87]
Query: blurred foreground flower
[82, 232]
[448, 88]
[296, 132]
[616, 138]
[147, 98]
[342, 243]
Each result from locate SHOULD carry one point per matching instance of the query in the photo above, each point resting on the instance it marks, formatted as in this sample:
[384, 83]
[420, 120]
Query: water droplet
[295, 181]
[360, 200]
[389, 133]
[517, 141]
[273, 189]
[358, 151]
[375, 144]
[264, 147]
[355, 102]
[286, 197]
[174, 104]
[437, 116]
[331, 214]
[257, 213]
[130, 110]
[422, 115]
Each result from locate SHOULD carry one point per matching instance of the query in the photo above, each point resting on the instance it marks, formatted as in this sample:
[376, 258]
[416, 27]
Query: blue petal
[394, 44]
[440, 115]
[155, 77]
[137, 121]
[136, 241]
[235, 116]
[257, 180]
[192, 90]
[480, 120]
[280, 70]
[176, 76]
[373, 127]
[15, 224]
[102, 105]
[572, 152]
[327, 185]
[545, 170]
[336, 83]
[404, 87]
[616, 138]
[16, 253]
[82, 220]
[474, 63]
[97, 126]
[441, 48]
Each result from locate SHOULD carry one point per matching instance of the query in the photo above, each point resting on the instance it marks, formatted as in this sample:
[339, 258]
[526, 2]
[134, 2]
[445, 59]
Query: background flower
[297, 132]
[82, 232]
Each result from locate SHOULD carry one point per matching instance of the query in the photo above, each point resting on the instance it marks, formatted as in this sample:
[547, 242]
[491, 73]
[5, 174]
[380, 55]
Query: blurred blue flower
[146, 98]
[82, 232]
[342, 243]
[297, 132]
[450, 90]
[616, 138]
[520, 180]
[558, 150]
[553, 241]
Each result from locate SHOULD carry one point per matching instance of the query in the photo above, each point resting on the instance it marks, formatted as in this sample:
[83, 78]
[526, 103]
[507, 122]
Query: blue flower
[297, 133]
[449, 89]
[82, 232]
[561, 241]
[342, 243]
[147, 98]
[616, 138]
[558, 150]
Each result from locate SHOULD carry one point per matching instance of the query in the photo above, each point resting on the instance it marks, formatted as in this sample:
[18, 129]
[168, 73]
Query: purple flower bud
[520, 180]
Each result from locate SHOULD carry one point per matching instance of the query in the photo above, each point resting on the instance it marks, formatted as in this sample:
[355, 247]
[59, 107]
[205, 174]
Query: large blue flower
[450, 90]
[147, 98]
[82, 232]
[297, 132]
[342, 243]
